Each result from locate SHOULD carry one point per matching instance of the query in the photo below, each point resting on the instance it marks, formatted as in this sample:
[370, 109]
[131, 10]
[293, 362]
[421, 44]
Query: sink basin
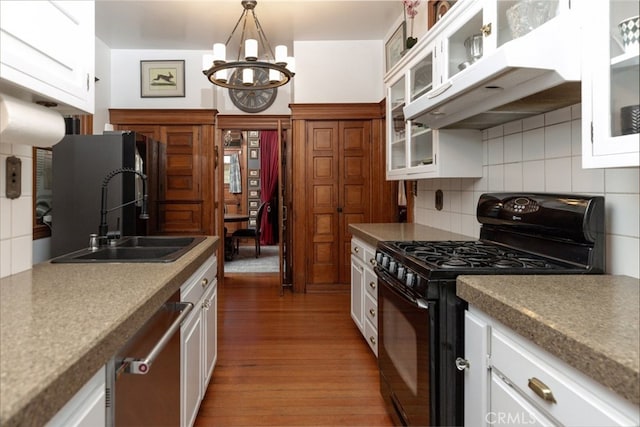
[135, 249]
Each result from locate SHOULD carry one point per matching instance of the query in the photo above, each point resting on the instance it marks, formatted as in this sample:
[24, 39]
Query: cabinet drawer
[508, 407]
[371, 310]
[369, 256]
[357, 249]
[371, 335]
[199, 282]
[575, 404]
[371, 283]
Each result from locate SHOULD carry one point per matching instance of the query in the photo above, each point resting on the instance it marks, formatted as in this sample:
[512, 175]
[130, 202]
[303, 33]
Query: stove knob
[379, 257]
[385, 261]
[401, 271]
[410, 279]
[392, 267]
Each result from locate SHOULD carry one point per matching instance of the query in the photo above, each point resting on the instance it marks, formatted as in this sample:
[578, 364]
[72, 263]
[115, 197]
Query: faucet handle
[112, 236]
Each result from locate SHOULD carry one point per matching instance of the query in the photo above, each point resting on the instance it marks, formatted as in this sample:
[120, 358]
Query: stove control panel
[521, 205]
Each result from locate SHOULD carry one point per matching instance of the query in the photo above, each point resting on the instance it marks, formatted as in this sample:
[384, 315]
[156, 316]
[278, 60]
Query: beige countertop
[590, 321]
[59, 323]
[373, 233]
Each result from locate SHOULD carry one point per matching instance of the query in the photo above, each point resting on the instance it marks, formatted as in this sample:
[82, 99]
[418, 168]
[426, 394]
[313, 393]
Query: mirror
[42, 191]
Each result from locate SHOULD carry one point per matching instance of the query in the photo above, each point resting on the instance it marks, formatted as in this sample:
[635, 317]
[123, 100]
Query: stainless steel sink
[135, 249]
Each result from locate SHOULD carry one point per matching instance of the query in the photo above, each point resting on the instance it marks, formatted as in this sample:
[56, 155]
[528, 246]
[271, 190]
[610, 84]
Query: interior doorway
[253, 195]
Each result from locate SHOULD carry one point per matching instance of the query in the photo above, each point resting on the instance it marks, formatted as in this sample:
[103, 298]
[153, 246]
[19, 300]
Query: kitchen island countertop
[591, 322]
[60, 323]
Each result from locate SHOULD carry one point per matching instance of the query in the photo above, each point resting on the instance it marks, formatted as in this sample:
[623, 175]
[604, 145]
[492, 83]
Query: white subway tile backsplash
[557, 174]
[495, 132]
[513, 148]
[585, 180]
[622, 255]
[512, 127]
[622, 180]
[513, 177]
[21, 224]
[533, 176]
[455, 199]
[495, 155]
[534, 122]
[557, 116]
[533, 144]
[576, 138]
[5, 257]
[5, 218]
[496, 178]
[543, 154]
[21, 254]
[468, 203]
[622, 213]
[557, 140]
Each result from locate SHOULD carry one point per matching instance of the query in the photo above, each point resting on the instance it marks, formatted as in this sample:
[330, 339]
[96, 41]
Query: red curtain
[269, 185]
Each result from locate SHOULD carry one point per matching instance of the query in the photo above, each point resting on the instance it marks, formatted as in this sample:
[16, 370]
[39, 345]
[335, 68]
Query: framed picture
[162, 79]
[254, 182]
[254, 193]
[254, 133]
[254, 142]
[253, 213]
[394, 47]
[253, 153]
[253, 204]
[254, 173]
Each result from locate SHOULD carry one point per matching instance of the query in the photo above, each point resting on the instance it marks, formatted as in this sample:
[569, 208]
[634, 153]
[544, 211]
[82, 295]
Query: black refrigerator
[80, 165]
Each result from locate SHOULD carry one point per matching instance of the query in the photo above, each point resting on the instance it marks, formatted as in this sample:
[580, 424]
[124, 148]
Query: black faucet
[103, 228]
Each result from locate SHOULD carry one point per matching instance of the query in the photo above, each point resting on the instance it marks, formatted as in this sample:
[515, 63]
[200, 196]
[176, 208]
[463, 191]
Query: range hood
[531, 75]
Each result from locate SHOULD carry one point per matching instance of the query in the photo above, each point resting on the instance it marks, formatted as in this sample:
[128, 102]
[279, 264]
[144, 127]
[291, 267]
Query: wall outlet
[14, 177]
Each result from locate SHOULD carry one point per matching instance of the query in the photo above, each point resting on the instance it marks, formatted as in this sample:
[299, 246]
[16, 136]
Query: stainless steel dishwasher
[143, 378]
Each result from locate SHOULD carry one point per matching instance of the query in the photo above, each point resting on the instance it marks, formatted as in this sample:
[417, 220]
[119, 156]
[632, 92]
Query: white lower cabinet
[526, 385]
[87, 408]
[364, 293]
[198, 348]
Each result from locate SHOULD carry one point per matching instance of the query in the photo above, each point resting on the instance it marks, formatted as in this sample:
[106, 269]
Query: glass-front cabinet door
[488, 25]
[396, 128]
[421, 76]
[611, 88]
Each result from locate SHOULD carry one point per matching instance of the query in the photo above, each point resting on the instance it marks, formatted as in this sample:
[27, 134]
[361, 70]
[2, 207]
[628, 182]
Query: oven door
[406, 353]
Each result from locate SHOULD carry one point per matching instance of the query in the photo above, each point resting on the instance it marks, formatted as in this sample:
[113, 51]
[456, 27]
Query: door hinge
[592, 132]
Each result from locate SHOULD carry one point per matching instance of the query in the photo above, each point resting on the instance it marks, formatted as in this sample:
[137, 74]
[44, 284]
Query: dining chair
[254, 233]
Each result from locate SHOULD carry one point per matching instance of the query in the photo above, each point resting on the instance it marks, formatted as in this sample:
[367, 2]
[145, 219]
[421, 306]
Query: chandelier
[243, 73]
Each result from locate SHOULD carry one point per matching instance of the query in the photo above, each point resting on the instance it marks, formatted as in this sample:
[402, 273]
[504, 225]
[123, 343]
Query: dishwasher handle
[141, 366]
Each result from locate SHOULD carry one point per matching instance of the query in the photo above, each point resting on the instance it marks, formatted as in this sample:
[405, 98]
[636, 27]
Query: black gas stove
[520, 234]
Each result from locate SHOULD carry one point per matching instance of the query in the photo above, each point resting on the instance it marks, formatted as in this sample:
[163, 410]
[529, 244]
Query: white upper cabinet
[610, 88]
[415, 151]
[48, 52]
[496, 61]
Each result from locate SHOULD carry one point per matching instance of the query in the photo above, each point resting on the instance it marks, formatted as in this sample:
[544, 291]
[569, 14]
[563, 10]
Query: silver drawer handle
[541, 390]
[205, 282]
[373, 262]
[372, 285]
[373, 340]
[356, 249]
[142, 366]
[372, 312]
[462, 364]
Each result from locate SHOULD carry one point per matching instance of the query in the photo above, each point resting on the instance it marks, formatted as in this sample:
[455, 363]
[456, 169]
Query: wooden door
[180, 203]
[337, 195]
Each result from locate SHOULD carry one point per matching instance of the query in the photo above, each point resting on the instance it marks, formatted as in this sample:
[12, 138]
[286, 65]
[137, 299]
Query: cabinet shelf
[626, 60]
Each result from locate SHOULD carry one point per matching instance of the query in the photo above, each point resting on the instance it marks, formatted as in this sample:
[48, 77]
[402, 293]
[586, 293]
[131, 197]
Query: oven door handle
[387, 280]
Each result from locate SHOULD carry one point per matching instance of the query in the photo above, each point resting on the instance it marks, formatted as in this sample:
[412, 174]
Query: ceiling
[196, 25]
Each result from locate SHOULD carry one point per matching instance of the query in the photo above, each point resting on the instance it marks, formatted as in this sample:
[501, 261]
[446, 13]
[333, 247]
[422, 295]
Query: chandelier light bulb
[219, 53]
[247, 77]
[274, 76]
[281, 54]
[207, 61]
[221, 75]
[251, 49]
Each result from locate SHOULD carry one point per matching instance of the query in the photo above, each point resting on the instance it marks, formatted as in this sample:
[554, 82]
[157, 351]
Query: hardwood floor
[290, 360]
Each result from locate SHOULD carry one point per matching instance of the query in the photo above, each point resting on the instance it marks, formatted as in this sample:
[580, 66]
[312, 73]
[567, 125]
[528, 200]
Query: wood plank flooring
[290, 360]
